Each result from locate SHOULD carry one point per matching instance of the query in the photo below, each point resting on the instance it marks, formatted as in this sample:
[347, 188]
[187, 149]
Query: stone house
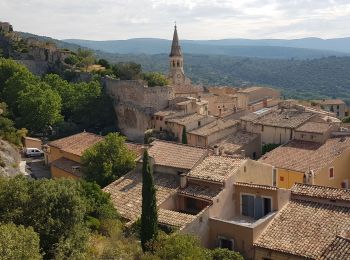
[299, 161]
[64, 155]
[313, 225]
[31, 142]
[212, 132]
[336, 106]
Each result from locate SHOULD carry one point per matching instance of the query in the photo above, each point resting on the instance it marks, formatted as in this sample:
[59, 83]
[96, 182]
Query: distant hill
[270, 49]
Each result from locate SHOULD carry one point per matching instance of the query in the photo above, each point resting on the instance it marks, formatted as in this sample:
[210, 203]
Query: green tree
[184, 135]
[104, 63]
[18, 242]
[149, 215]
[39, 106]
[225, 254]
[107, 160]
[127, 71]
[7, 69]
[179, 247]
[155, 79]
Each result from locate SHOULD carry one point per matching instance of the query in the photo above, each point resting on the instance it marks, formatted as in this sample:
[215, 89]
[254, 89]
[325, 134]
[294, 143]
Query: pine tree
[184, 136]
[149, 216]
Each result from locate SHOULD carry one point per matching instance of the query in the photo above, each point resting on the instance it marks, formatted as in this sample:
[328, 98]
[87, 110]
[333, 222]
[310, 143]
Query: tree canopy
[107, 160]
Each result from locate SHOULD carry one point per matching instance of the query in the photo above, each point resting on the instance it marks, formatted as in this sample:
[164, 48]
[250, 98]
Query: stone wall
[135, 103]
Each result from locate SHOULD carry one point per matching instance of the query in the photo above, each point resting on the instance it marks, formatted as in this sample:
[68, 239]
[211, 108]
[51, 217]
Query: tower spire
[175, 46]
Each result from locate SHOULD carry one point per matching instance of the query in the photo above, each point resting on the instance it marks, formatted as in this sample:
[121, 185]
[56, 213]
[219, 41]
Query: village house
[336, 106]
[320, 163]
[313, 225]
[64, 155]
[226, 201]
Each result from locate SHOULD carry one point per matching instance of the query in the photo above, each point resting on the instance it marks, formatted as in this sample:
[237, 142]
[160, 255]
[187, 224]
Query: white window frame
[329, 170]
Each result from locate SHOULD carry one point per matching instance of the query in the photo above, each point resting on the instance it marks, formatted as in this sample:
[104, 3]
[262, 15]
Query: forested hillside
[304, 79]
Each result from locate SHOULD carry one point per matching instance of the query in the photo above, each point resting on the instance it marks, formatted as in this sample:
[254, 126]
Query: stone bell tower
[176, 73]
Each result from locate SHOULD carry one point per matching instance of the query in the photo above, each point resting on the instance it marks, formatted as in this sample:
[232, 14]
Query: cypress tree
[149, 216]
[184, 136]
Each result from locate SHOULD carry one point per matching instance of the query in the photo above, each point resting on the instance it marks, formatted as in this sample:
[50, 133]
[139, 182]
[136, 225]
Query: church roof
[175, 46]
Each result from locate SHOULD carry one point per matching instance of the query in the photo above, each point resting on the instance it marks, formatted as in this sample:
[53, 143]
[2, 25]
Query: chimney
[216, 149]
[243, 153]
[183, 180]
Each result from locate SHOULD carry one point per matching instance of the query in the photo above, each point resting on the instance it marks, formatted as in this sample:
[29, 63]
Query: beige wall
[341, 172]
[56, 153]
[338, 110]
[313, 137]
[32, 143]
[255, 172]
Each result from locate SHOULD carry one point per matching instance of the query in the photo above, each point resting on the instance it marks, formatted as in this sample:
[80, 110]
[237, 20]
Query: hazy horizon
[196, 19]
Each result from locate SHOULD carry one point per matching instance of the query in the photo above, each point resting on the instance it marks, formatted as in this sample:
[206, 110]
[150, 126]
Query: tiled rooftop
[216, 168]
[313, 127]
[126, 192]
[302, 155]
[305, 228]
[290, 118]
[174, 218]
[176, 155]
[67, 166]
[255, 186]
[321, 192]
[200, 191]
[234, 142]
[167, 113]
[338, 249]
[184, 120]
[136, 148]
[330, 102]
[76, 144]
[214, 127]
[249, 89]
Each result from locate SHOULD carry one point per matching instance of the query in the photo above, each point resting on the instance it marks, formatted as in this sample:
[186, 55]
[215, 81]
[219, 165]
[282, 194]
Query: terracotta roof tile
[234, 142]
[126, 192]
[256, 186]
[214, 127]
[216, 168]
[302, 156]
[174, 218]
[78, 143]
[184, 120]
[305, 228]
[176, 155]
[313, 127]
[200, 191]
[338, 249]
[321, 192]
[290, 118]
[68, 166]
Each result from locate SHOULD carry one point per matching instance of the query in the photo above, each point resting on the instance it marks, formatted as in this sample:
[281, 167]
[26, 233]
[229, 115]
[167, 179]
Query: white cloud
[197, 19]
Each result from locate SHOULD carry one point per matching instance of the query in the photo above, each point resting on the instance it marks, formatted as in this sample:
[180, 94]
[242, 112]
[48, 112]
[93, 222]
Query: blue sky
[196, 19]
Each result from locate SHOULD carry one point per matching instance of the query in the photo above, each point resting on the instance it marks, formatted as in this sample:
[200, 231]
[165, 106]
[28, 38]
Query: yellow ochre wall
[58, 173]
[56, 153]
[289, 178]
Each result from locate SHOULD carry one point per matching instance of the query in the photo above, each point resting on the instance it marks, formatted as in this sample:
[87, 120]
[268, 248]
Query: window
[331, 173]
[262, 128]
[226, 243]
[160, 128]
[338, 107]
[199, 123]
[312, 137]
[345, 184]
[255, 207]
[302, 136]
[281, 178]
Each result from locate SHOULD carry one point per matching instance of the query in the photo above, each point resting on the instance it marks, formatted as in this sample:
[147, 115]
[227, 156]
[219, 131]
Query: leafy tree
[39, 107]
[86, 57]
[7, 69]
[149, 215]
[225, 254]
[14, 85]
[18, 242]
[155, 79]
[127, 71]
[179, 247]
[72, 59]
[107, 160]
[184, 135]
[104, 63]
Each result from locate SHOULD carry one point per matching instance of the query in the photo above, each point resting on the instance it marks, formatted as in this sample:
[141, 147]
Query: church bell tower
[176, 74]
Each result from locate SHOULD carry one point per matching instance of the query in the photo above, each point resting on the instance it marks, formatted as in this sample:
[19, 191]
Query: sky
[196, 19]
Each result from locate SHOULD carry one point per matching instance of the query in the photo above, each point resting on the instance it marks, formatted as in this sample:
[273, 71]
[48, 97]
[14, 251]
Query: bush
[225, 254]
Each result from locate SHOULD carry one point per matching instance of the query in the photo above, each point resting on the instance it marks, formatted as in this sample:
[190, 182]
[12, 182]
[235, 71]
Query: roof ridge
[176, 143]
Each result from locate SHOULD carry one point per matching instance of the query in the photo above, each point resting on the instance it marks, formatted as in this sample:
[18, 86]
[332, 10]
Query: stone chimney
[183, 180]
[243, 153]
[216, 149]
